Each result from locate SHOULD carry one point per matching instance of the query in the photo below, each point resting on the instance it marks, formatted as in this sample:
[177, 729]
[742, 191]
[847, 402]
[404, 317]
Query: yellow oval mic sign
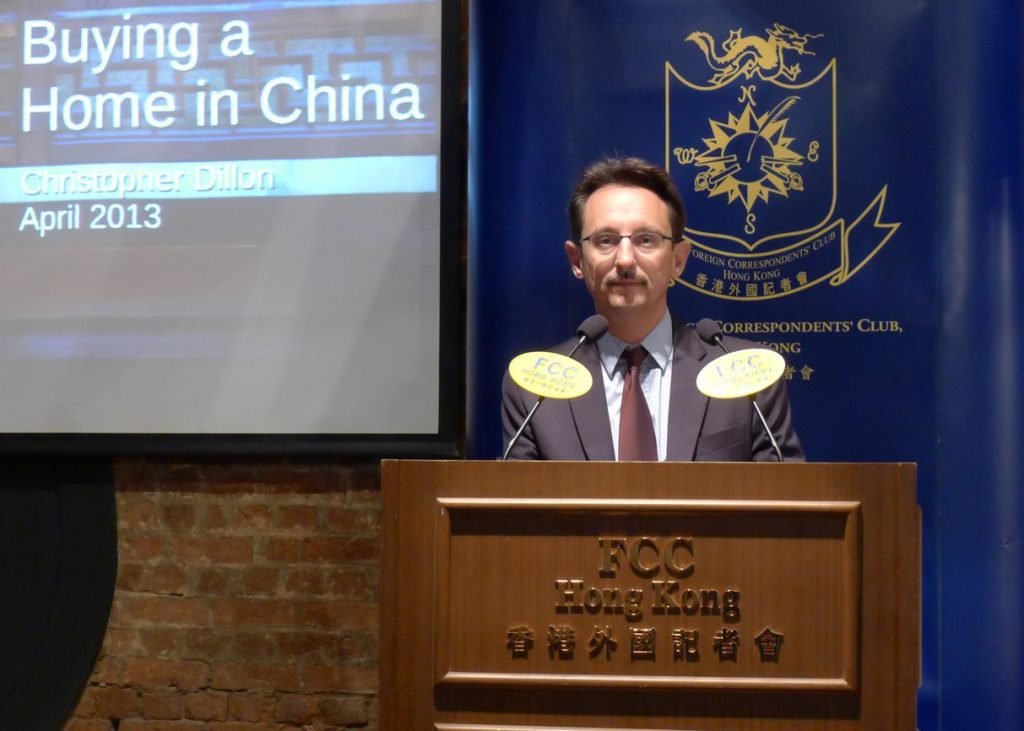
[740, 373]
[550, 375]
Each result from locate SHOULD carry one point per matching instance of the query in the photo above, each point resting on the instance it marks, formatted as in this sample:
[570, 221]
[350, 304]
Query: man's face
[628, 283]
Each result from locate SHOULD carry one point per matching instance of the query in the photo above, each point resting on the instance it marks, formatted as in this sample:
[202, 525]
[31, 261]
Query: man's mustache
[628, 277]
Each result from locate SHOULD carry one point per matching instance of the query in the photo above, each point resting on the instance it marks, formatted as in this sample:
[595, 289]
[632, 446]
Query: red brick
[162, 642]
[364, 484]
[298, 517]
[120, 641]
[117, 614]
[351, 648]
[164, 609]
[198, 535]
[209, 644]
[247, 676]
[163, 578]
[252, 612]
[178, 517]
[249, 707]
[334, 615]
[94, 724]
[129, 575]
[151, 673]
[305, 581]
[304, 645]
[327, 648]
[109, 671]
[260, 580]
[139, 725]
[345, 711]
[140, 547]
[294, 479]
[214, 550]
[162, 706]
[354, 584]
[340, 679]
[282, 549]
[255, 516]
[86, 707]
[340, 550]
[242, 487]
[135, 512]
[213, 580]
[256, 647]
[214, 518]
[207, 706]
[116, 702]
[297, 709]
[353, 521]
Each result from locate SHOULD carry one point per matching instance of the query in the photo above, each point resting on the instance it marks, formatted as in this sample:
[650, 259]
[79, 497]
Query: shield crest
[753, 153]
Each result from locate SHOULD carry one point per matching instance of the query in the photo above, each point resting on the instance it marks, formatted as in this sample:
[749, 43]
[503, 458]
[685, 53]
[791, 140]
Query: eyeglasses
[642, 240]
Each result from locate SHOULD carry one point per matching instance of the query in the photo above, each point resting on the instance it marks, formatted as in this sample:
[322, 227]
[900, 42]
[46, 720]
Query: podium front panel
[648, 596]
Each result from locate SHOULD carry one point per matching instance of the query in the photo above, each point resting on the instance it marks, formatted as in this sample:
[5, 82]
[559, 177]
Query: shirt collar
[658, 343]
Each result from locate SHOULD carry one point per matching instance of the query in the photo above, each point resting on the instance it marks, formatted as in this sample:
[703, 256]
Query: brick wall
[246, 599]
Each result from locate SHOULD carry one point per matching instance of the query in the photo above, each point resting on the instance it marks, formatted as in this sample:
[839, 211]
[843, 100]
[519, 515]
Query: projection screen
[230, 226]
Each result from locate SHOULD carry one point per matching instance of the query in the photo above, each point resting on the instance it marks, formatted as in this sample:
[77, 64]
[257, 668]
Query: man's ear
[681, 252]
[575, 253]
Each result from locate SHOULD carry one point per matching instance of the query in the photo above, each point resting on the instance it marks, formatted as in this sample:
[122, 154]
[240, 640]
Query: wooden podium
[581, 596]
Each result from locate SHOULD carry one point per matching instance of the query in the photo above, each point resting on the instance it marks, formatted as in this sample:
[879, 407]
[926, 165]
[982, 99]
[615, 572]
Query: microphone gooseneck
[591, 329]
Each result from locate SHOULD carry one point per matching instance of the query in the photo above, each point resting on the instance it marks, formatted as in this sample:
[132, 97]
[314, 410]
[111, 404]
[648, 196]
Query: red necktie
[636, 431]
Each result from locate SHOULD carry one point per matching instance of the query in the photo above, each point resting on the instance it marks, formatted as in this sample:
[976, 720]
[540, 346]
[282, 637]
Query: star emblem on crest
[748, 157]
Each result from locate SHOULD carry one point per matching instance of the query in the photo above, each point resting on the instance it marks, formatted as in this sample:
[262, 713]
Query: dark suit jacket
[699, 428]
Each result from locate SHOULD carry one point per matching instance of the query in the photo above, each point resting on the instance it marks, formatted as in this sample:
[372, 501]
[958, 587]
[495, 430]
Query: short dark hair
[631, 172]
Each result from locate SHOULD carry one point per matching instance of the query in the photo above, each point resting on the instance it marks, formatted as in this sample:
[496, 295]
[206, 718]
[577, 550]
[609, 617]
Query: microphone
[591, 329]
[709, 331]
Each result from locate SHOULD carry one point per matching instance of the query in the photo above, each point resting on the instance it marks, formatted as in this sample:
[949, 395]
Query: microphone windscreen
[709, 331]
[593, 328]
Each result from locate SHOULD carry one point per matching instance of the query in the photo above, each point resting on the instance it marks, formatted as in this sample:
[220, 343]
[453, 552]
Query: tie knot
[635, 357]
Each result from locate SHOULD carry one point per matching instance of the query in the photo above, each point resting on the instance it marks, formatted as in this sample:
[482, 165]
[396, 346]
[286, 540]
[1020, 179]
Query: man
[627, 222]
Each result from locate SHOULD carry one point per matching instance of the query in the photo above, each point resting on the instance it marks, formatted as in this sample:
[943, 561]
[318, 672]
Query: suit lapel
[590, 411]
[687, 406]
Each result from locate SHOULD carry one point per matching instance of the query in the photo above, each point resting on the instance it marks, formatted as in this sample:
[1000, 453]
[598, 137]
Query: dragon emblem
[749, 55]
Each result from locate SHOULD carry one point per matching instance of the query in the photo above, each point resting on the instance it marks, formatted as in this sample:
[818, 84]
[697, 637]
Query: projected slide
[220, 218]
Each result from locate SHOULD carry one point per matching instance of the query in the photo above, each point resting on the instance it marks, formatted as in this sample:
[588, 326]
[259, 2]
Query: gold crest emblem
[763, 165]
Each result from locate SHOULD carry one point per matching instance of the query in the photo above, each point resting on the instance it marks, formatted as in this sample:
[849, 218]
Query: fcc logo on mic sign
[740, 373]
[550, 375]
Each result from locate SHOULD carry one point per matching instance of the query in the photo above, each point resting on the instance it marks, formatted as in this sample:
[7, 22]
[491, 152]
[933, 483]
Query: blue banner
[852, 174]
